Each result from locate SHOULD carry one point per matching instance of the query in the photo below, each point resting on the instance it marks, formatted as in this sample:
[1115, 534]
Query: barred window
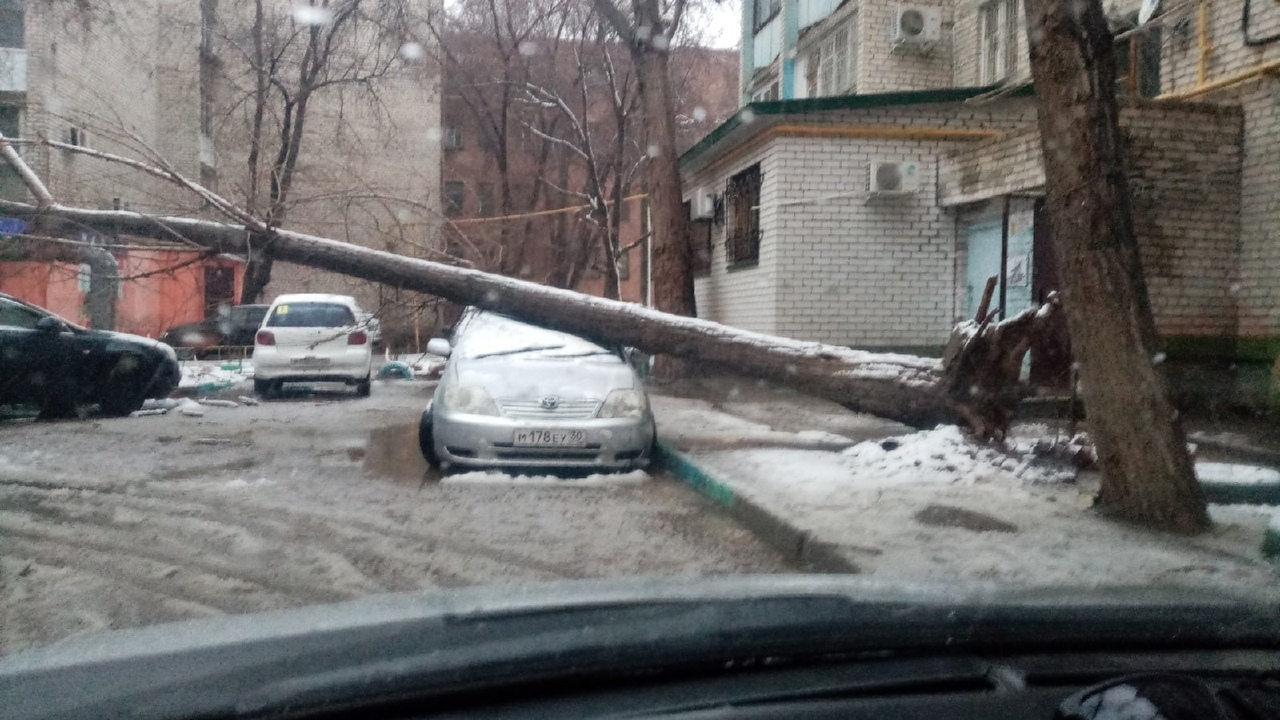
[742, 230]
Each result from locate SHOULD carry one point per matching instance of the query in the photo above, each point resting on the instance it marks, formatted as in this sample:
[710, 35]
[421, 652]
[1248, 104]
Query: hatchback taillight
[358, 337]
[265, 337]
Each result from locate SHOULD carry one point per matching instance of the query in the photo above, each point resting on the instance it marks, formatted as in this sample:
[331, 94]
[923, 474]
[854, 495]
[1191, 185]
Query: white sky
[722, 21]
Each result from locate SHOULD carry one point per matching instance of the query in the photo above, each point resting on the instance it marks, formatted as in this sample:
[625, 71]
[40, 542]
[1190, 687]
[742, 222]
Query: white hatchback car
[312, 338]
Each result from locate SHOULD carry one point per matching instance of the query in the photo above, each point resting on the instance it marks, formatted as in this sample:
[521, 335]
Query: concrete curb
[791, 541]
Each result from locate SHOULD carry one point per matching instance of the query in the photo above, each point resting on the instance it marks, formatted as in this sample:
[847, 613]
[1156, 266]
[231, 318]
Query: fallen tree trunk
[914, 390]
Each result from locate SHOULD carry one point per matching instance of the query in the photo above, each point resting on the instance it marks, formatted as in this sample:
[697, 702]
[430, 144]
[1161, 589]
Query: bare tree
[1147, 473]
[648, 31]
[323, 52]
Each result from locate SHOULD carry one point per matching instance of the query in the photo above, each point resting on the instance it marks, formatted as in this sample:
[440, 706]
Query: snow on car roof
[315, 298]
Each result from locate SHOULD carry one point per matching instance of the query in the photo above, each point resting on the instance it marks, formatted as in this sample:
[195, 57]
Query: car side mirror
[50, 325]
[439, 346]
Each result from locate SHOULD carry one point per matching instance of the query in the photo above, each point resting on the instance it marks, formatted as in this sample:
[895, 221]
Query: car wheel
[265, 389]
[125, 391]
[427, 440]
[56, 407]
[363, 388]
[123, 400]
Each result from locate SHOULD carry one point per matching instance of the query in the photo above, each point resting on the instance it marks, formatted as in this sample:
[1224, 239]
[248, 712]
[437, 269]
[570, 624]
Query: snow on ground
[213, 376]
[593, 480]
[776, 422]
[935, 505]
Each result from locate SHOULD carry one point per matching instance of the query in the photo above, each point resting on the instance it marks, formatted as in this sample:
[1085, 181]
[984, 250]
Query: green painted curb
[670, 459]
[1223, 493]
[1271, 541]
[791, 541]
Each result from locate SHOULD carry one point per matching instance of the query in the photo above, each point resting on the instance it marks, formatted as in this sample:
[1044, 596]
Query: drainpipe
[1004, 255]
[104, 286]
[790, 38]
[747, 54]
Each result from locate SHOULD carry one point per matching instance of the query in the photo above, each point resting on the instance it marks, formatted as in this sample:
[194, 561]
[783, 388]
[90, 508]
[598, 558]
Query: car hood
[420, 644]
[568, 378]
[139, 340]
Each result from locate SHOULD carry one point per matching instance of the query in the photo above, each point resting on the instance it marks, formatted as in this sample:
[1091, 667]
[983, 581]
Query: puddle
[393, 452]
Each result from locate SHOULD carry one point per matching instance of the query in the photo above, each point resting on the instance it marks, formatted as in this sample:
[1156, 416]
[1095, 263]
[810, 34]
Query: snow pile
[593, 480]
[944, 454]
[212, 377]
[1236, 474]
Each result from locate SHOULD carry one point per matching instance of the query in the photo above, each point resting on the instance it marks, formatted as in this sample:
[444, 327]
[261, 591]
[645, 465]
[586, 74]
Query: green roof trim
[841, 102]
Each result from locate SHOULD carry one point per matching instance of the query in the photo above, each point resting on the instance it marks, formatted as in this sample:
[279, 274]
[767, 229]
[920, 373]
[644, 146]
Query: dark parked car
[235, 328]
[55, 364]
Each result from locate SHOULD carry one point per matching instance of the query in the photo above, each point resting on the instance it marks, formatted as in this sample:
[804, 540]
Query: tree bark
[1147, 473]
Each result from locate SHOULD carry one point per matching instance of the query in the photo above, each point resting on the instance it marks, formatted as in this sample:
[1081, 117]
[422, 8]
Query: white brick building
[834, 93]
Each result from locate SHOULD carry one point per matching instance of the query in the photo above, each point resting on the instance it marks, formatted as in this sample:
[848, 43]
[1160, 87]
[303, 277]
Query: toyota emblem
[551, 402]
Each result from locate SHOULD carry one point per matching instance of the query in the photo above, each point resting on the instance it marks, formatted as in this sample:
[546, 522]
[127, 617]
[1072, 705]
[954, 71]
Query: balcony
[13, 70]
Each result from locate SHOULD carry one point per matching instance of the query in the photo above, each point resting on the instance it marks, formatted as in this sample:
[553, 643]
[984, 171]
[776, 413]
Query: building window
[769, 93]
[452, 137]
[700, 238]
[12, 24]
[10, 121]
[835, 61]
[484, 199]
[455, 197]
[742, 231]
[78, 137]
[765, 10]
[997, 45]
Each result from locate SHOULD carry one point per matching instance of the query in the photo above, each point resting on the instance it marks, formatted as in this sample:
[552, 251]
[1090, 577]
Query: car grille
[533, 409]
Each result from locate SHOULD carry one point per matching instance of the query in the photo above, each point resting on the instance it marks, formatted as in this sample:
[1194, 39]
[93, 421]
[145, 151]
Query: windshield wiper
[532, 348]
[584, 353]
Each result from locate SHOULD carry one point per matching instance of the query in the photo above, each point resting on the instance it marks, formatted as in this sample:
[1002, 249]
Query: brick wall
[93, 70]
[992, 169]
[882, 70]
[851, 270]
[1259, 296]
[747, 297]
[1184, 171]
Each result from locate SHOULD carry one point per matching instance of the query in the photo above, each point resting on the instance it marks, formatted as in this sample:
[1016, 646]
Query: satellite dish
[1148, 10]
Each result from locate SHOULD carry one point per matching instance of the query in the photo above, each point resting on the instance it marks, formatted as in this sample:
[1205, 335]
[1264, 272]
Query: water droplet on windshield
[748, 117]
[661, 42]
[699, 113]
[654, 151]
[434, 134]
[311, 15]
[528, 48]
[1158, 358]
[403, 215]
[491, 296]
[411, 51]
[1235, 288]
[643, 32]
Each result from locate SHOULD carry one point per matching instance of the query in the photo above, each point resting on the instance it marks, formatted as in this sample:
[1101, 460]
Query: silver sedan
[516, 395]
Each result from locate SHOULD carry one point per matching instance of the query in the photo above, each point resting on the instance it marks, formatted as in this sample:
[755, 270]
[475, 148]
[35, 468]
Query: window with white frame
[997, 40]
[835, 63]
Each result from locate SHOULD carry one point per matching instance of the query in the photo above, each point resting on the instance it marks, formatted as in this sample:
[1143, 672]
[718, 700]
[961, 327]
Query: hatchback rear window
[311, 315]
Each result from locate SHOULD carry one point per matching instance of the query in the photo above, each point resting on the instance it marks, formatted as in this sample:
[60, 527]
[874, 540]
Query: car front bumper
[485, 441]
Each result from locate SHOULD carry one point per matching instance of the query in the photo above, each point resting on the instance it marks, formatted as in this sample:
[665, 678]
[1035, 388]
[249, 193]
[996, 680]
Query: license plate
[309, 362]
[551, 438]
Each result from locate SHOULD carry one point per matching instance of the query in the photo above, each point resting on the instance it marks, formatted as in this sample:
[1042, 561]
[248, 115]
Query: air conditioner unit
[702, 205]
[916, 26]
[893, 178]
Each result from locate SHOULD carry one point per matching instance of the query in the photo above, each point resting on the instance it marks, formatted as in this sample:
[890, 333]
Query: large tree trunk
[902, 387]
[672, 256]
[1147, 473]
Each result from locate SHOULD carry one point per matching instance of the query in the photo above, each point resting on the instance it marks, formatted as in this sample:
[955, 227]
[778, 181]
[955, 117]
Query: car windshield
[311, 314]
[492, 335]
[420, 298]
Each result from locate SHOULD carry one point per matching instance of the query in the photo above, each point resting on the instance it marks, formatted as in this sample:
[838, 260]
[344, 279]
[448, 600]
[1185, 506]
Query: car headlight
[625, 404]
[469, 400]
